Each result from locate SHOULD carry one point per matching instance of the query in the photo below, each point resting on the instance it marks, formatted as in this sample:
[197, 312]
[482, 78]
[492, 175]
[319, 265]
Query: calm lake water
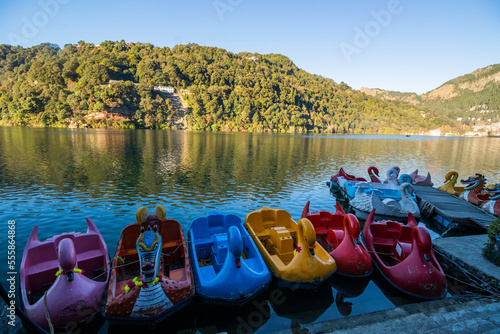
[55, 178]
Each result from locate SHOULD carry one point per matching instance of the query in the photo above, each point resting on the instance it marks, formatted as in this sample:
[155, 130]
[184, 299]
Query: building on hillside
[185, 92]
[166, 89]
[104, 115]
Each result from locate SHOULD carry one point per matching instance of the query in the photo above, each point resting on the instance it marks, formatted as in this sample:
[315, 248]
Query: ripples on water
[55, 178]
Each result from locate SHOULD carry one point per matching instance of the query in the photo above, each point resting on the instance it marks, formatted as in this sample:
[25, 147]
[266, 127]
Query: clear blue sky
[417, 47]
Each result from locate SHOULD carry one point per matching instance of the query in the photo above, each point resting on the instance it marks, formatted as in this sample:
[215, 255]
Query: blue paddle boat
[227, 266]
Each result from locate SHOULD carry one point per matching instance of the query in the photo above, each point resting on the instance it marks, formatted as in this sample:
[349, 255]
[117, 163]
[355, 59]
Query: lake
[55, 178]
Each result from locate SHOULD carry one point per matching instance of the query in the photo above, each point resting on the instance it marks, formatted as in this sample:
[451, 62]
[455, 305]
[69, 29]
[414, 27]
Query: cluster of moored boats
[394, 197]
[474, 191]
[156, 272]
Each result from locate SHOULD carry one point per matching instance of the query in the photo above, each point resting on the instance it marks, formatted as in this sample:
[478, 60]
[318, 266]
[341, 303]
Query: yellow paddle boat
[289, 249]
[450, 182]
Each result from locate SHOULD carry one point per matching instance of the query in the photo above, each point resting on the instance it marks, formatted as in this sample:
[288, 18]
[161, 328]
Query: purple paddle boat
[64, 276]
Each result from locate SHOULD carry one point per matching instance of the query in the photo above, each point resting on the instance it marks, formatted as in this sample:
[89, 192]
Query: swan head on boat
[405, 178]
[149, 250]
[235, 244]
[408, 200]
[422, 240]
[351, 225]
[67, 257]
[392, 176]
[451, 176]
[406, 190]
[307, 232]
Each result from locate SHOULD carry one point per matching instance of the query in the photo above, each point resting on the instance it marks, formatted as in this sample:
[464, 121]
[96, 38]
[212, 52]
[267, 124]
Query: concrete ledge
[452, 315]
[467, 251]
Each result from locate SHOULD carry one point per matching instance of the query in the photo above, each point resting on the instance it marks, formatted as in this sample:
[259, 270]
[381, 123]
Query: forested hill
[48, 86]
[474, 95]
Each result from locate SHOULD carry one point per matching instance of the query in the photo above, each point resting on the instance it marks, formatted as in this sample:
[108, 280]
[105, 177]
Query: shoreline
[174, 128]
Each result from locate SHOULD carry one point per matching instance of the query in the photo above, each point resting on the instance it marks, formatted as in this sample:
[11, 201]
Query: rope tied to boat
[47, 314]
[175, 250]
[104, 268]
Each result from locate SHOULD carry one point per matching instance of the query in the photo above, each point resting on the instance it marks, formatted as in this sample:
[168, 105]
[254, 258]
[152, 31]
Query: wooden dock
[453, 210]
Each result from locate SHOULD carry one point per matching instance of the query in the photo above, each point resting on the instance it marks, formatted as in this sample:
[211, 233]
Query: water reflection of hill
[217, 163]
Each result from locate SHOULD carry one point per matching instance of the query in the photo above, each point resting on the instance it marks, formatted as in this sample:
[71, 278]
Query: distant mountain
[472, 95]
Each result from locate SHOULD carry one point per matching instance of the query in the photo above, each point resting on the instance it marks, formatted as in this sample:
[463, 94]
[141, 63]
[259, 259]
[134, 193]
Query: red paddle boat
[338, 233]
[404, 256]
[64, 276]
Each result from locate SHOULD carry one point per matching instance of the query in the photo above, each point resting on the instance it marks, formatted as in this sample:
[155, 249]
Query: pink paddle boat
[65, 276]
[421, 180]
[338, 233]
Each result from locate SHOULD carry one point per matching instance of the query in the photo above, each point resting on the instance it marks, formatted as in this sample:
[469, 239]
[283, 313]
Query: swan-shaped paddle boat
[450, 184]
[404, 256]
[338, 234]
[421, 180]
[290, 249]
[473, 190]
[388, 208]
[64, 276]
[227, 266]
[155, 279]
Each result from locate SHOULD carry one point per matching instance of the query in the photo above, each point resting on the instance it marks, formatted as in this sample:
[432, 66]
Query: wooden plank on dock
[452, 208]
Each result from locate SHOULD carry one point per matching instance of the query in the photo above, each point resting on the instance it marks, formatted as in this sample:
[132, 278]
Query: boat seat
[326, 219]
[169, 244]
[280, 242]
[92, 254]
[383, 241]
[393, 230]
[269, 224]
[207, 272]
[130, 251]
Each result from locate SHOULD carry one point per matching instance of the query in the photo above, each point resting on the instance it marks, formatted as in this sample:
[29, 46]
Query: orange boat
[155, 279]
